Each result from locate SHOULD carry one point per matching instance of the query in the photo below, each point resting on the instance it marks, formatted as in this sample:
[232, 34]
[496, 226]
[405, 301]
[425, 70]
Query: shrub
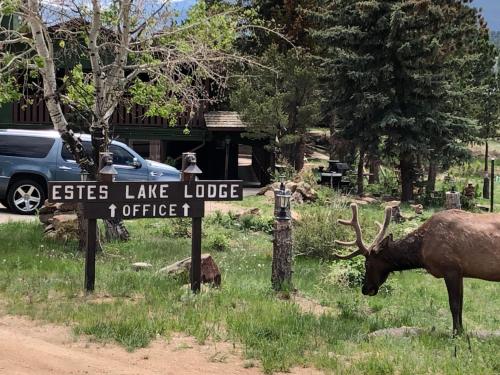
[216, 241]
[177, 228]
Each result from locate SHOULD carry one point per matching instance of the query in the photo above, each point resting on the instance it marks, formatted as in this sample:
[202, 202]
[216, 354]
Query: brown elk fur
[452, 245]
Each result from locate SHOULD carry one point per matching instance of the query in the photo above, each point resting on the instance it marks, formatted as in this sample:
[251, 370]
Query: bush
[177, 228]
[244, 222]
[216, 241]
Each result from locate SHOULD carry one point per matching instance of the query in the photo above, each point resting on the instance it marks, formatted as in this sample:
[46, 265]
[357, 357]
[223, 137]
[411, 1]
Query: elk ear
[384, 243]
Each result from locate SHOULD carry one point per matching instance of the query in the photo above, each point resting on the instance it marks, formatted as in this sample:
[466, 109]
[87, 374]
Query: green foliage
[10, 90]
[216, 241]
[177, 228]
[152, 95]
[245, 222]
[80, 90]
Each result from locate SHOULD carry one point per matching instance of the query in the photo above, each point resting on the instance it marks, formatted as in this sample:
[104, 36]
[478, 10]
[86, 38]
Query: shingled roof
[224, 120]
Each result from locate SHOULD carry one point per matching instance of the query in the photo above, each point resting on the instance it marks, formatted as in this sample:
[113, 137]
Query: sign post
[107, 199]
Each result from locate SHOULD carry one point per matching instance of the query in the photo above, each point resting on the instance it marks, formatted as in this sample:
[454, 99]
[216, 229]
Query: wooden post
[492, 188]
[196, 255]
[282, 255]
[189, 172]
[90, 255]
[452, 200]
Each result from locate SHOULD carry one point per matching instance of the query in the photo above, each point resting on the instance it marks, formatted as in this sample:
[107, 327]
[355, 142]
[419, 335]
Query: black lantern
[108, 172]
[282, 182]
[84, 175]
[190, 168]
[283, 197]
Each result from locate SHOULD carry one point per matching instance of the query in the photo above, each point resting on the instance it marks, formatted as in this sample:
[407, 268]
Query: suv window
[24, 146]
[120, 155]
[66, 155]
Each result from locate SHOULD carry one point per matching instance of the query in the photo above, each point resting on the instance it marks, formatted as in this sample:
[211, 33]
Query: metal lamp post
[189, 167]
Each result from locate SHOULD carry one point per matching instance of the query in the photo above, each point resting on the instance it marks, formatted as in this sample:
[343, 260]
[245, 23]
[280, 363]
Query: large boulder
[209, 271]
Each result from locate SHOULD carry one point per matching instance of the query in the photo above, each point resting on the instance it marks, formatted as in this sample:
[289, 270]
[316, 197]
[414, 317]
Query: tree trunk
[299, 154]
[116, 230]
[281, 277]
[407, 177]
[374, 177]
[359, 180]
[486, 177]
[431, 176]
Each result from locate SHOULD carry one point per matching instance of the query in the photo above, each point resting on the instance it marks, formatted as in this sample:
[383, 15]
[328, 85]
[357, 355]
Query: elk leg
[454, 284]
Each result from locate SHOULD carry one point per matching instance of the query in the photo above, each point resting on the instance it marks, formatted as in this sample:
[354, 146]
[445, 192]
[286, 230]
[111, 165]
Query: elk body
[451, 245]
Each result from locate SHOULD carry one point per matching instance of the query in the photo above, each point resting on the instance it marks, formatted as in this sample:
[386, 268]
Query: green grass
[43, 279]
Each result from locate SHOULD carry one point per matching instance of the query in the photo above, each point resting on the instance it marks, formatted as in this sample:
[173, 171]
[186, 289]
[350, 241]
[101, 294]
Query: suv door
[128, 166]
[67, 168]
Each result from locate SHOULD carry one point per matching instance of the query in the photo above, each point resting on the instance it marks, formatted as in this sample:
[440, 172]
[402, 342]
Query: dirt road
[27, 347]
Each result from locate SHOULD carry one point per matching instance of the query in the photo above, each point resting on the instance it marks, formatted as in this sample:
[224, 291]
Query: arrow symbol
[112, 208]
[186, 208]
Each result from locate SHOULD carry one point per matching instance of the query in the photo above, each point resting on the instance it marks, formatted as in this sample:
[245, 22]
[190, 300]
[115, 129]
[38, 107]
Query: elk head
[377, 269]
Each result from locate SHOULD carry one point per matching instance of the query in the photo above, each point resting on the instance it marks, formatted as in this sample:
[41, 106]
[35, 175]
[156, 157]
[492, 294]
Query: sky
[491, 11]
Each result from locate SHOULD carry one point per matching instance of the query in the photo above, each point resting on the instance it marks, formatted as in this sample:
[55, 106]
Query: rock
[397, 332]
[482, 334]
[264, 190]
[138, 266]
[418, 208]
[292, 186]
[45, 218]
[47, 208]
[65, 221]
[392, 204]
[209, 271]
[66, 207]
[269, 194]
[48, 228]
[297, 198]
[308, 193]
[369, 200]
[295, 216]
[359, 202]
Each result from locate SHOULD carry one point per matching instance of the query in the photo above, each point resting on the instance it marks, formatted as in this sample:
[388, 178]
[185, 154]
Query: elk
[452, 245]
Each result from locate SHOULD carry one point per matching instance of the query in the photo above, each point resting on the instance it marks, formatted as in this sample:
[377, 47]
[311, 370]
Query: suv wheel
[25, 197]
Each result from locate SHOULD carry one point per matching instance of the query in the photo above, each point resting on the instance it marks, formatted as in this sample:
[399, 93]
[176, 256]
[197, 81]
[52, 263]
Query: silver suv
[29, 159]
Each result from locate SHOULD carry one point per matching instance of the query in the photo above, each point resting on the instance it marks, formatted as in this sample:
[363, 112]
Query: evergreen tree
[390, 77]
[280, 100]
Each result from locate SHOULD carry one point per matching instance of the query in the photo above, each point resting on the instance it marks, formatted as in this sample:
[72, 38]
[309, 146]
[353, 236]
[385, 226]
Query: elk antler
[362, 248]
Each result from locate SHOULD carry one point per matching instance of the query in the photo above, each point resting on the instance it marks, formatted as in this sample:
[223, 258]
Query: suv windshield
[120, 155]
[24, 146]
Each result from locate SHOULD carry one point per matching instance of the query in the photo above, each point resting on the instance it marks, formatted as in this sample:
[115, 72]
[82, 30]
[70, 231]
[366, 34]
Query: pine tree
[279, 101]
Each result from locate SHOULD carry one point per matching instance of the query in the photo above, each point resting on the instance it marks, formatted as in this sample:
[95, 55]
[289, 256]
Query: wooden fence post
[281, 277]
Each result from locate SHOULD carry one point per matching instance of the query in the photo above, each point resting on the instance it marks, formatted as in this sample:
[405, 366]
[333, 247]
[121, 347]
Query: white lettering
[145, 209]
[162, 210]
[212, 191]
[200, 191]
[127, 193]
[55, 192]
[68, 192]
[152, 191]
[223, 191]
[103, 192]
[142, 192]
[234, 191]
[163, 191]
[126, 210]
[186, 193]
[91, 192]
[173, 209]
[80, 189]
[136, 209]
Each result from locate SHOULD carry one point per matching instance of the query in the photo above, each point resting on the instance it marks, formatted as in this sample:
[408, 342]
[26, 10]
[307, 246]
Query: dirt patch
[310, 306]
[29, 347]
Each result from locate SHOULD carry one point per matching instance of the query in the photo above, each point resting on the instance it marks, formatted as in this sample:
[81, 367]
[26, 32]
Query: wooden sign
[144, 199]
[130, 210]
[177, 192]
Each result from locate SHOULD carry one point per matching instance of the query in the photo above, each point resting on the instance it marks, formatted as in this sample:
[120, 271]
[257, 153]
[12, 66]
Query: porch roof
[224, 121]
